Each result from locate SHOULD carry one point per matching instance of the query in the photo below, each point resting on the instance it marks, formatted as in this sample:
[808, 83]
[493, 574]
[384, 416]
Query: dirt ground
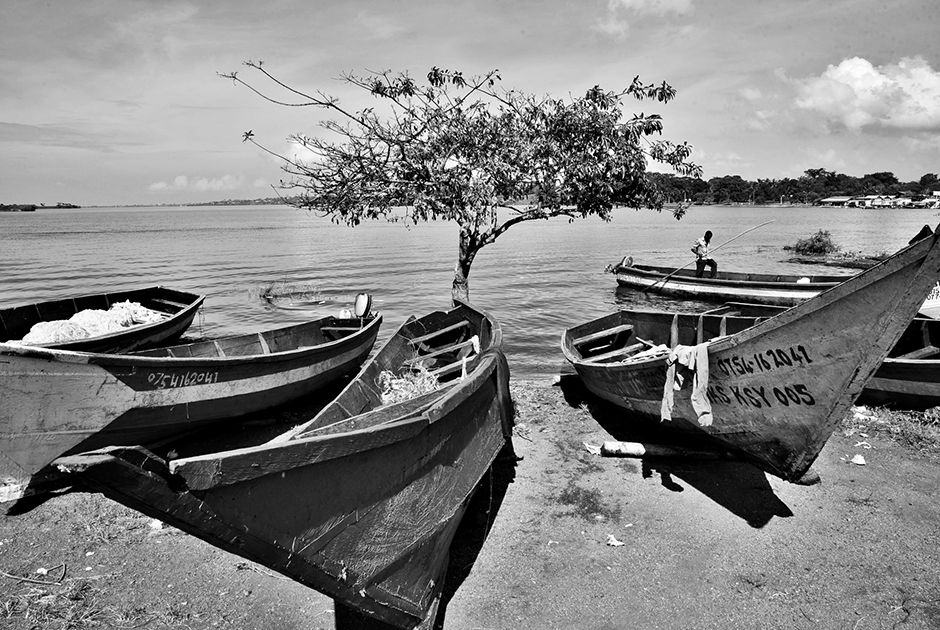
[575, 540]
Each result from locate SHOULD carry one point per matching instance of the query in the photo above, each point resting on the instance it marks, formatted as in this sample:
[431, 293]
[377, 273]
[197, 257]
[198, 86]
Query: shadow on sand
[736, 485]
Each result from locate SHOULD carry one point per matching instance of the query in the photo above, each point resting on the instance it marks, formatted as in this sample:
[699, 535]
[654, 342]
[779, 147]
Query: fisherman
[702, 257]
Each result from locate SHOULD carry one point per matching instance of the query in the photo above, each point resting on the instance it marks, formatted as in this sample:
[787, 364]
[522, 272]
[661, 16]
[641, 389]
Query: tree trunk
[468, 248]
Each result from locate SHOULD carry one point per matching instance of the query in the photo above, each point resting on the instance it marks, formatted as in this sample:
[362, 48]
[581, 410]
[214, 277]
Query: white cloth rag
[694, 359]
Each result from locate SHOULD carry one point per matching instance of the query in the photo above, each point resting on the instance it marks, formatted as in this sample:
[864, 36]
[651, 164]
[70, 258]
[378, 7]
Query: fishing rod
[716, 248]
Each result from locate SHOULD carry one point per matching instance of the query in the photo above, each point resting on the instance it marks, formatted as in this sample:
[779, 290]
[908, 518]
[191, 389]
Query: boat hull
[179, 306]
[781, 290]
[779, 388]
[360, 503]
[57, 402]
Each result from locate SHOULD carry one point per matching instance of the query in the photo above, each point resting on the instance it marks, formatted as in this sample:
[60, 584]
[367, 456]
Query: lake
[536, 279]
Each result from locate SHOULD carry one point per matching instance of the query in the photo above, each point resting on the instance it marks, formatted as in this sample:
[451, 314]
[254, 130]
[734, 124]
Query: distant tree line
[815, 184]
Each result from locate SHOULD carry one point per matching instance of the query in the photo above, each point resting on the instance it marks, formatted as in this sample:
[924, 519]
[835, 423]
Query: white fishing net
[92, 323]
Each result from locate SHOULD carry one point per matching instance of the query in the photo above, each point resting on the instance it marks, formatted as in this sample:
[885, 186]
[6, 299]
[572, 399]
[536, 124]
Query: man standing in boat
[702, 258]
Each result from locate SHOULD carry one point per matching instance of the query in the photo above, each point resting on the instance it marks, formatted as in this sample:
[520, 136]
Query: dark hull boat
[178, 309]
[772, 392]
[54, 402]
[361, 502]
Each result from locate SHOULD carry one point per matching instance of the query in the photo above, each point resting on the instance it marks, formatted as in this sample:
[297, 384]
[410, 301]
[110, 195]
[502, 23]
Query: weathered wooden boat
[908, 378]
[54, 402]
[361, 502]
[178, 308]
[772, 392]
[780, 289]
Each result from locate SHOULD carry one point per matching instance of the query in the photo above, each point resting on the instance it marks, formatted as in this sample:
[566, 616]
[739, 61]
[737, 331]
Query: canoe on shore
[779, 289]
[175, 310]
[908, 378]
[362, 501]
[772, 392]
[54, 402]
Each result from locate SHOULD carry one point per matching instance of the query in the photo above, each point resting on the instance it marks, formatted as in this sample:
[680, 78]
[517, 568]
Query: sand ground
[575, 540]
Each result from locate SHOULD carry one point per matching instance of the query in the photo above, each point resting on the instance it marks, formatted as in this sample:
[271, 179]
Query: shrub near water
[819, 243]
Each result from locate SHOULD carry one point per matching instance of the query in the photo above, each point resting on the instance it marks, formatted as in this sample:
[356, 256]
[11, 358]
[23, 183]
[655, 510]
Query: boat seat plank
[601, 334]
[450, 367]
[631, 349]
[437, 333]
[340, 328]
[920, 353]
[179, 305]
[432, 355]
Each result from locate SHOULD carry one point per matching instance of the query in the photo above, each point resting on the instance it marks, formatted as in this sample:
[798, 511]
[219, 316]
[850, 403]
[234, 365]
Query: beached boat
[54, 402]
[772, 392]
[361, 502]
[176, 310]
[908, 378]
[780, 289]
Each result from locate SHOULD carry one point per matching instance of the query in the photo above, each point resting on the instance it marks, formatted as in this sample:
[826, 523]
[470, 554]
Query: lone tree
[464, 149]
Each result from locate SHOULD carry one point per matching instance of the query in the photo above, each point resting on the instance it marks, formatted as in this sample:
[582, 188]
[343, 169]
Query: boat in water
[168, 313]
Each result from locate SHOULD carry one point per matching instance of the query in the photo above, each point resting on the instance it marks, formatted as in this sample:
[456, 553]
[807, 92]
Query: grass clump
[919, 430]
[819, 244]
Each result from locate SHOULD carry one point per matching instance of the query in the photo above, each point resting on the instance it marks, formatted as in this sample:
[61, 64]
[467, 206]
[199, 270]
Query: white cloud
[202, 184]
[654, 7]
[856, 94]
[379, 27]
[614, 24]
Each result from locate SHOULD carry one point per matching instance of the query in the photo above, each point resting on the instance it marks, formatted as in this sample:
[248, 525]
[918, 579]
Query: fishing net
[92, 323]
[407, 386]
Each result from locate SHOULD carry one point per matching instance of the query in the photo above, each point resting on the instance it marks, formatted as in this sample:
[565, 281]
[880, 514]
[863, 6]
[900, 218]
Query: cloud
[614, 24]
[856, 94]
[202, 184]
[379, 27]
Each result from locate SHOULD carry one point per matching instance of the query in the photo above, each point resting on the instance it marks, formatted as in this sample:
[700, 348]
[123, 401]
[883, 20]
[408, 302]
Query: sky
[120, 102]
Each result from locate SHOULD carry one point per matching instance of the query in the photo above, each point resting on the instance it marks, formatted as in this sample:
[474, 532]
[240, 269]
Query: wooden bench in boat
[920, 353]
[601, 334]
[419, 341]
[624, 352]
[437, 353]
[341, 328]
[178, 305]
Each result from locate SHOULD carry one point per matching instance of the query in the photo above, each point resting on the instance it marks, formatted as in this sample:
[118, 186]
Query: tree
[463, 149]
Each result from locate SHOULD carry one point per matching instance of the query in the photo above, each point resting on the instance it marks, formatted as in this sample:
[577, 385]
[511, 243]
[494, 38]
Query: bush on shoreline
[818, 244]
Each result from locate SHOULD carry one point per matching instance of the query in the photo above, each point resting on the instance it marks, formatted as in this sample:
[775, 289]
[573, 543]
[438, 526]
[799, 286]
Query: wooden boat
[780, 289]
[908, 378]
[54, 402]
[179, 308]
[777, 389]
[361, 502]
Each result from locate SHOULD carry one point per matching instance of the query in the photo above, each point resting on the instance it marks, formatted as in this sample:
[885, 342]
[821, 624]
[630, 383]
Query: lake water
[536, 279]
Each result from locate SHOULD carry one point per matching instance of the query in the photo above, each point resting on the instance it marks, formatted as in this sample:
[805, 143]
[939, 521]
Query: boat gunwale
[132, 358]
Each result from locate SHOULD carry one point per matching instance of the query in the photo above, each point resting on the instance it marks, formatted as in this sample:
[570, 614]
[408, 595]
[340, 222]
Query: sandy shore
[575, 541]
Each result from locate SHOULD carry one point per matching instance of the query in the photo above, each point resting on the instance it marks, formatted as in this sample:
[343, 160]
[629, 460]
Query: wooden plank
[264, 344]
[631, 349]
[436, 353]
[920, 353]
[340, 328]
[437, 333]
[450, 367]
[179, 305]
[601, 334]
[219, 348]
